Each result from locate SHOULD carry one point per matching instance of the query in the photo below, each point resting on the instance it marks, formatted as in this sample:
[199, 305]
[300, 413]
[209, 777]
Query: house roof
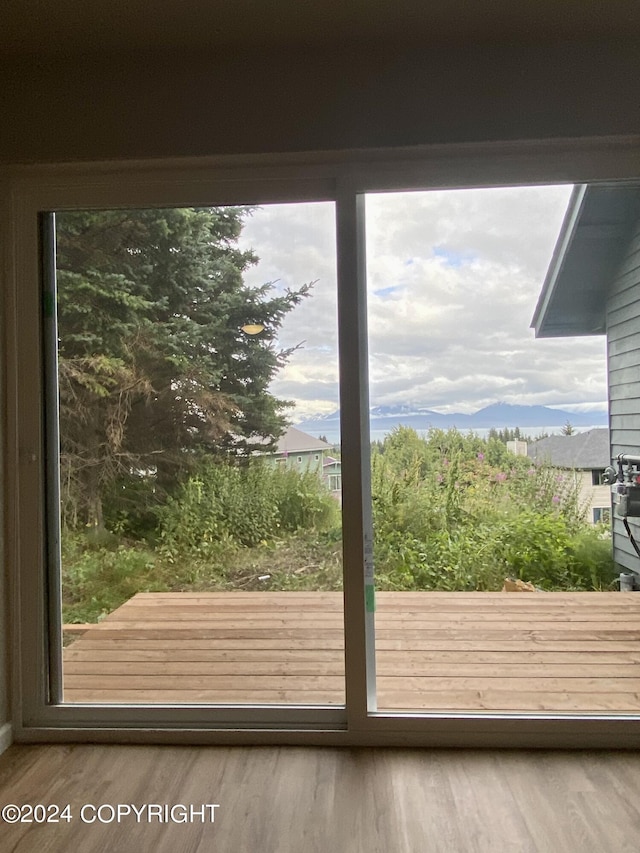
[583, 450]
[594, 233]
[292, 441]
[296, 441]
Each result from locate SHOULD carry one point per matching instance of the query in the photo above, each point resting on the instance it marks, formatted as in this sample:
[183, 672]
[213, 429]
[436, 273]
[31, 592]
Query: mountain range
[498, 415]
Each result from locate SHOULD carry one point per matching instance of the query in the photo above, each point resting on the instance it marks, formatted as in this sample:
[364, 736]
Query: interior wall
[298, 100]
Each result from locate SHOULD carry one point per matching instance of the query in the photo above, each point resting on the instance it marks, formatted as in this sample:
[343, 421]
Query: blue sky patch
[453, 258]
[383, 292]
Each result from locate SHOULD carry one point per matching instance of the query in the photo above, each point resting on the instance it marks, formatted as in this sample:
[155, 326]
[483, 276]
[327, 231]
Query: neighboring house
[517, 447]
[592, 287]
[302, 452]
[332, 476]
[299, 450]
[586, 455]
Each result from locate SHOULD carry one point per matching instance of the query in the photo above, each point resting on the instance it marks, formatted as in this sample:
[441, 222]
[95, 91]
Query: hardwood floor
[319, 800]
[559, 652]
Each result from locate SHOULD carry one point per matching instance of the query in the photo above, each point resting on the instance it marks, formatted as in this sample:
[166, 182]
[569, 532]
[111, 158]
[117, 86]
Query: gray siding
[623, 345]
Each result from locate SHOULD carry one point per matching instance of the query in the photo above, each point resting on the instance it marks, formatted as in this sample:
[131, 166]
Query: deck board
[537, 652]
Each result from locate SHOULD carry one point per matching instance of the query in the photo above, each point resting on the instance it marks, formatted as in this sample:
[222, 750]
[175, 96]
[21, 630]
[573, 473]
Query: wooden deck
[559, 652]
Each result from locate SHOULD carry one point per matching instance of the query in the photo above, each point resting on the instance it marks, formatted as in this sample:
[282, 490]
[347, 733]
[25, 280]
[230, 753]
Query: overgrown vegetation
[457, 512]
[451, 512]
[228, 526]
[229, 504]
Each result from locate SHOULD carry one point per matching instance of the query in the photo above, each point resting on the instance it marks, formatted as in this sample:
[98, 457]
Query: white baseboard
[6, 737]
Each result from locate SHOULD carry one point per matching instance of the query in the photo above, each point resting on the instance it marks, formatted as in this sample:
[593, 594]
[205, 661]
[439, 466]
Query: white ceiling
[57, 29]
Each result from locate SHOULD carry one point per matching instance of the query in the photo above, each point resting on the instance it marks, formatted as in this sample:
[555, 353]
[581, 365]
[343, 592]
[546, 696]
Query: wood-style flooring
[326, 800]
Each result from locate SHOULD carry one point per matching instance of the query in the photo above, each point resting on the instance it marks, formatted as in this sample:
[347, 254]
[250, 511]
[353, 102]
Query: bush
[221, 502]
[302, 501]
[446, 516]
[536, 548]
[130, 506]
[593, 559]
[96, 581]
[225, 503]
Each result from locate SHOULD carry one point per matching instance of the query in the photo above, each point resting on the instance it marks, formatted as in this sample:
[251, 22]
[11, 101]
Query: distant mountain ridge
[497, 415]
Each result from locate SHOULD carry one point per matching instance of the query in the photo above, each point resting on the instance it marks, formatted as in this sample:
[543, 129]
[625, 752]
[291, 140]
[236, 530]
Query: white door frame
[344, 178]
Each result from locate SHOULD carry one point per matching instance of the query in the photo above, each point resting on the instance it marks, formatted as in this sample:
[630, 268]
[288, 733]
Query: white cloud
[453, 279]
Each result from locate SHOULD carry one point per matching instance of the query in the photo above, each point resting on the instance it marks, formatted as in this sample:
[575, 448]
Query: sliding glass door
[495, 590]
[255, 493]
[193, 476]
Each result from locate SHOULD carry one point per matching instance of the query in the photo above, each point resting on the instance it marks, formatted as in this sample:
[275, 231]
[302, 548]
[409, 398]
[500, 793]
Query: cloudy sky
[453, 280]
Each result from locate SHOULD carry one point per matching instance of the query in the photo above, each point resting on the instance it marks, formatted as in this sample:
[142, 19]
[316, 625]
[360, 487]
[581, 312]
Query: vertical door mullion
[25, 359]
[53, 586]
[360, 681]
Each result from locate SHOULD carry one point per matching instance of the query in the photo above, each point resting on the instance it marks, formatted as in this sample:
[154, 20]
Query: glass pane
[496, 591]
[200, 517]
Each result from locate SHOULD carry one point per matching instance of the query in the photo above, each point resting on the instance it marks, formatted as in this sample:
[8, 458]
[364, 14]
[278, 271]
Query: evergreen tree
[154, 363]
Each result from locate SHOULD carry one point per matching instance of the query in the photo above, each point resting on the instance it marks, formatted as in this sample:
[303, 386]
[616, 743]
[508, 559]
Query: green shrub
[95, 582]
[226, 503]
[130, 506]
[221, 502]
[536, 548]
[302, 501]
[593, 563]
[549, 552]
[450, 512]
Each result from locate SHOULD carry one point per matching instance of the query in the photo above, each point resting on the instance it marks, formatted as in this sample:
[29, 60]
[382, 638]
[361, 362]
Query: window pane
[201, 529]
[494, 592]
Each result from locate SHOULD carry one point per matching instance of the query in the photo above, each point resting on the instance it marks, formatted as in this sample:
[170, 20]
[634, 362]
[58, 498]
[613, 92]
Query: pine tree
[154, 365]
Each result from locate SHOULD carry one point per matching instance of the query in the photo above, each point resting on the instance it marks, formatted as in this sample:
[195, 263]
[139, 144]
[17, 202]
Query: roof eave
[541, 321]
[592, 242]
